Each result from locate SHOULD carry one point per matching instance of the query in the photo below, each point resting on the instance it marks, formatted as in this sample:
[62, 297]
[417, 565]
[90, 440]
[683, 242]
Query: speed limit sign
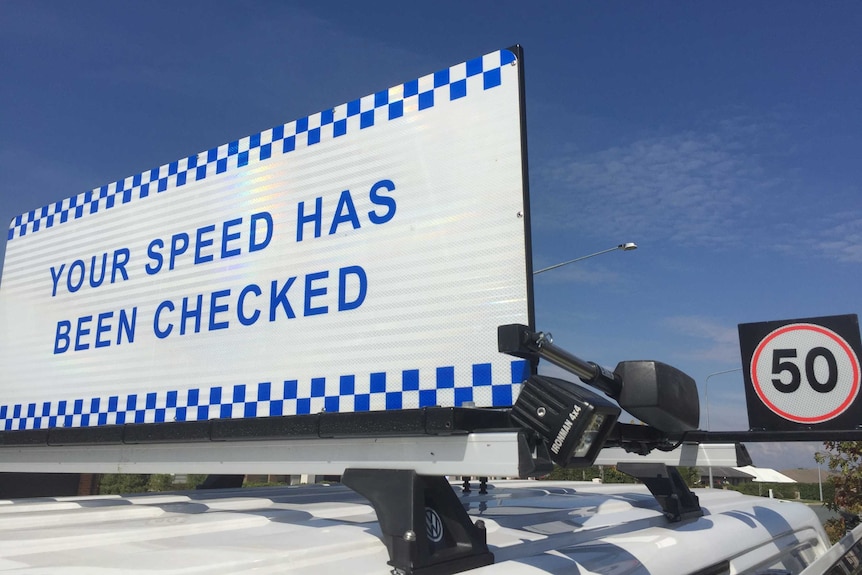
[802, 373]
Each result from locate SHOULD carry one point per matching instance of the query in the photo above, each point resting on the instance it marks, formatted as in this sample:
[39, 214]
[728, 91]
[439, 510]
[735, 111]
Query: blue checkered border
[267, 399]
[481, 73]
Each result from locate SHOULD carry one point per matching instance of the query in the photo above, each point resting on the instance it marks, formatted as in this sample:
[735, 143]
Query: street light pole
[706, 392]
[820, 482]
[626, 247]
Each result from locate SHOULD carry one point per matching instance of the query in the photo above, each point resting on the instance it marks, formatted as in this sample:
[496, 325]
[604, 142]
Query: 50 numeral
[780, 364]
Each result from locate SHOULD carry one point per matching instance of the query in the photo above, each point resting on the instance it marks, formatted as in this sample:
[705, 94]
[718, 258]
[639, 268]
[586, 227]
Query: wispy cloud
[782, 456]
[709, 339]
[837, 236]
[684, 187]
[732, 184]
[595, 275]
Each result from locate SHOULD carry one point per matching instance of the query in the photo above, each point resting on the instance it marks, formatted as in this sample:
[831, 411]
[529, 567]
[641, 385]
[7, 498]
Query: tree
[122, 483]
[844, 458]
[690, 475]
[573, 474]
[160, 482]
[607, 473]
[129, 483]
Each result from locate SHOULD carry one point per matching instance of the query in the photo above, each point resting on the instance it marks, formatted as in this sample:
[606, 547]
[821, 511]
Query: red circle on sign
[854, 362]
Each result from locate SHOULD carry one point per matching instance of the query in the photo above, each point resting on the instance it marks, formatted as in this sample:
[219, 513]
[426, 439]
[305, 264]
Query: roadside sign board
[802, 373]
[357, 259]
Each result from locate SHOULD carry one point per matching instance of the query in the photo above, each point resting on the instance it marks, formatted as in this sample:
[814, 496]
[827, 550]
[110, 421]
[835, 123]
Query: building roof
[807, 475]
[765, 475]
[758, 474]
[726, 472]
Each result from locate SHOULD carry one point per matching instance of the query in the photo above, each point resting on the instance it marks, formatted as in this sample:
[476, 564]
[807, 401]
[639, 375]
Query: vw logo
[433, 525]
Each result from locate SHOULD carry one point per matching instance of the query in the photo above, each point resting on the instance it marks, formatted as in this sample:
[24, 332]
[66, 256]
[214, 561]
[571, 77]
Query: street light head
[628, 246]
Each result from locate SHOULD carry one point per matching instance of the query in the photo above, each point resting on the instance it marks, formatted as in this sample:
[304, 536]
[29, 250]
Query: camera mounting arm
[520, 341]
[658, 394]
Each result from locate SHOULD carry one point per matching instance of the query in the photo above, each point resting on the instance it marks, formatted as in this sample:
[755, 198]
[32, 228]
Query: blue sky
[723, 138]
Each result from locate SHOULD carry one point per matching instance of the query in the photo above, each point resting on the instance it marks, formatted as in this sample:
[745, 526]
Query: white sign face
[805, 373]
[357, 259]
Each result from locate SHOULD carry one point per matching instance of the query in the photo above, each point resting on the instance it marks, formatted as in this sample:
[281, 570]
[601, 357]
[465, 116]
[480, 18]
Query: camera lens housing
[574, 421]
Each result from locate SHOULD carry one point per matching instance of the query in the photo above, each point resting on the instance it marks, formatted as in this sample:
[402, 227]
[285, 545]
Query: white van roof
[532, 527]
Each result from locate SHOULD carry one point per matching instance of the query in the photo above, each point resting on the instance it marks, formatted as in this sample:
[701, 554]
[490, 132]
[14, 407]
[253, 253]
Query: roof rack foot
[425, 527]
[667, 486]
